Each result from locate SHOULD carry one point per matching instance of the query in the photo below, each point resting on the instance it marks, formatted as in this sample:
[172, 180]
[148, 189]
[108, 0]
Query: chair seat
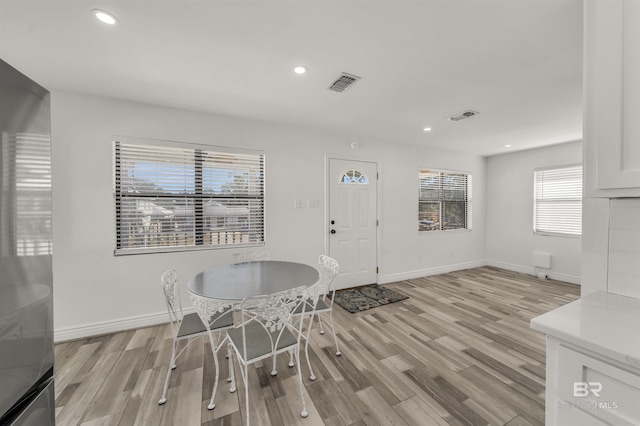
[192, 324]
[258, 341]
[321, 306]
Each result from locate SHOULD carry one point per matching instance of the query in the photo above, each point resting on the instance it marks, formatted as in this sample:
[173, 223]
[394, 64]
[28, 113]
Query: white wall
[96, 292]
[624, 248]
[510, 239]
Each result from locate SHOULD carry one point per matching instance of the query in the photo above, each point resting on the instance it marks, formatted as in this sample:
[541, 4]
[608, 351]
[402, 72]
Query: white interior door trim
[378, 194]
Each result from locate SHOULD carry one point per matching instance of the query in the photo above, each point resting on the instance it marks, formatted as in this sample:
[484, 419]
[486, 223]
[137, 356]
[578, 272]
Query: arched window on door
[354, 176]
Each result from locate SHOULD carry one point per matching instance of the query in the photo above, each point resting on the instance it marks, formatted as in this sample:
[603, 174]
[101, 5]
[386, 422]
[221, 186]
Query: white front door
[353, 189]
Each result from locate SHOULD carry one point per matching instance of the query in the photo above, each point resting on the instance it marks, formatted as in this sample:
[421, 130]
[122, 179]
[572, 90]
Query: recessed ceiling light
[300, 69]
[507, 146]
[105, 17]
[427, 129]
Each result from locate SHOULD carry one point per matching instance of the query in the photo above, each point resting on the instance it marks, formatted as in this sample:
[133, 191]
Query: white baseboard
[511, 267]
[572, 279]
[391, 278]
[113, 326]
[106, 327]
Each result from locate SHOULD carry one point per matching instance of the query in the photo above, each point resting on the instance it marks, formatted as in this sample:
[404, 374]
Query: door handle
[333, 231]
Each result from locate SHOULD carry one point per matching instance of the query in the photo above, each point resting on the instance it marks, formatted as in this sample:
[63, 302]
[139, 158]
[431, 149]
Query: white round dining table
[238, 281]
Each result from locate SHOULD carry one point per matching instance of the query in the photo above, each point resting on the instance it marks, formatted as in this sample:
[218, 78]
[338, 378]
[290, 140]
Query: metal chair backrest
[209, 310]
[273, 314]
[328, 268]
[168, 282]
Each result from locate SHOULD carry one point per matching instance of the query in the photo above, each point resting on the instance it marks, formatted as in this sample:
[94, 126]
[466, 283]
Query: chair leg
[212, 405]
[232, 375]
[291, 363]
[228, 357]
[312, 376]
[172, 365]
[335, 339]
[274, 372]
[320, 324]
[246, 393]
[304, 412]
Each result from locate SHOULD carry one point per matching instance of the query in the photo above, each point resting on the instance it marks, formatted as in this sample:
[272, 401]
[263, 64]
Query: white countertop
[605, 323]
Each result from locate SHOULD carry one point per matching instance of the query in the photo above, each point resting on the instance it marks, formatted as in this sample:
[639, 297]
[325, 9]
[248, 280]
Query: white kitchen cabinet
[593, 361]
[590, 386]
[612, 98]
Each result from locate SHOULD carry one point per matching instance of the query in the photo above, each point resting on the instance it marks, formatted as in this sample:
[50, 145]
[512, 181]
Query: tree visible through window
[179, 197]
[443, 201]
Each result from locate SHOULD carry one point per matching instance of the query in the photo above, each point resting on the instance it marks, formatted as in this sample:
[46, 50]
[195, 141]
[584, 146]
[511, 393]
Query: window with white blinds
[557, 207]
[444, 201]
[171, 197]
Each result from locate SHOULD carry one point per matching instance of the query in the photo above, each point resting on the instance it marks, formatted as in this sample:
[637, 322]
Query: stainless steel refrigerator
[26, 279]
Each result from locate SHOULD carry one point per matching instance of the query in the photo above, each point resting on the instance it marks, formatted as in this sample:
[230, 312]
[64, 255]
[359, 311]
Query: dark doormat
[366, 297]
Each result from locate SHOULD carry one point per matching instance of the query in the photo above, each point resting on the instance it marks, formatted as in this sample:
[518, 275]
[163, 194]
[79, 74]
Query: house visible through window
[558, 201]
[444, 200]
[171, 196]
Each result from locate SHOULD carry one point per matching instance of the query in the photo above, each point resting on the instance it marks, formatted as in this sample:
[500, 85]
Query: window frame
[441, 201]
[198, 197]
[547, 233]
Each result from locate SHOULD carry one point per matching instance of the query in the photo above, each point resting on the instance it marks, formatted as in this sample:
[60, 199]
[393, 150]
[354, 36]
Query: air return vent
[463, 115]
[343, 82]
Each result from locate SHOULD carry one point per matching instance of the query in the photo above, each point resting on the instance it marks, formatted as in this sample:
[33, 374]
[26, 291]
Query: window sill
[159, 250]
[446, 231]
[557, 234]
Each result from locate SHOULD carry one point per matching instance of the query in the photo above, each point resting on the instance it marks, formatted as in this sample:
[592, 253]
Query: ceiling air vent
[343, 82]
[463, 115]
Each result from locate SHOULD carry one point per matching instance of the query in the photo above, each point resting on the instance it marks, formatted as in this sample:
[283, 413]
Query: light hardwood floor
[459, 351]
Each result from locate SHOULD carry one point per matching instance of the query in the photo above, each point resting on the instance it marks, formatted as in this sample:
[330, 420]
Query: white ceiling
[517, 62]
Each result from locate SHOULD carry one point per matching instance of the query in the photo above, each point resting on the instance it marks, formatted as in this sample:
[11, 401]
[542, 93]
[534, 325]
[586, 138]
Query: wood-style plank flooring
[459, 351]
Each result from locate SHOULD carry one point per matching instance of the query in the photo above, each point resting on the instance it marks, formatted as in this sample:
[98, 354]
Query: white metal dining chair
[217, 316]
[188, 327]
[328, 268]
[266, 330]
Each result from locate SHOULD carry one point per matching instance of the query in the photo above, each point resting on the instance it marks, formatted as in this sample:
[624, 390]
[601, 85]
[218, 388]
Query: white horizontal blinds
[173, 197]
[26, 225]
[155, 189]
[443, 200]
[429, 215]
[454, 201]
[233, 207]
[558, 201]
[156, 170]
